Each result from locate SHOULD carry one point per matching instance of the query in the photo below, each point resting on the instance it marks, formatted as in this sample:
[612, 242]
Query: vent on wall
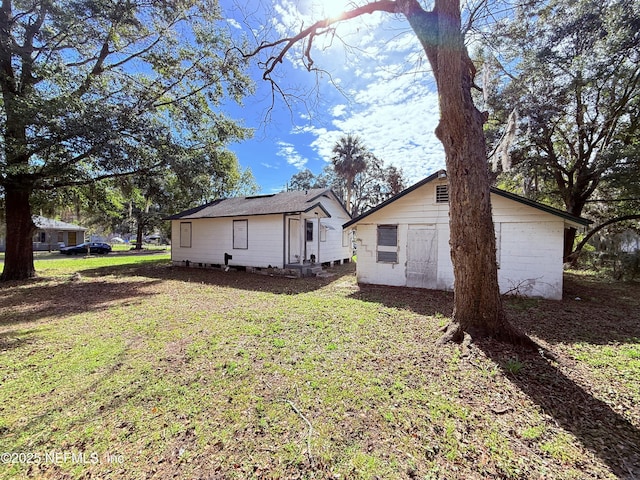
[442, 193]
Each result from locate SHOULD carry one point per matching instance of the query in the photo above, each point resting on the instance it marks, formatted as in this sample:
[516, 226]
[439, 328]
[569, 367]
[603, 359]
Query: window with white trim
[387, 248]
[185, 234]
[241, 234]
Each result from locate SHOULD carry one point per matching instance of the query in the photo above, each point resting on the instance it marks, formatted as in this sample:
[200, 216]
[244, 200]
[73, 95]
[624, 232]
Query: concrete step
[312, 270]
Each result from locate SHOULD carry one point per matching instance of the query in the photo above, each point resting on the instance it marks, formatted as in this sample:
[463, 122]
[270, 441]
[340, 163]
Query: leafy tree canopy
[101, 89]
[565, 85]
[355, 174]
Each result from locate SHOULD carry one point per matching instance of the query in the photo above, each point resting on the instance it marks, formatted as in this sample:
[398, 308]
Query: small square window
[388, 235]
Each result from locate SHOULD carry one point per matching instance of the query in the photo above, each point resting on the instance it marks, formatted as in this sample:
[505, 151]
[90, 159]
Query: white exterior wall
[530, 244]
[416, 208]
[211, 238]
[336, 246]
[268, 237]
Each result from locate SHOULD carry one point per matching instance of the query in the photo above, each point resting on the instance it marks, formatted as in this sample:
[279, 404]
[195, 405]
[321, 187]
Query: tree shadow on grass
[261, 281]
[36, 300]
[8, 341]
[591, 311]
[74, 410]
[418, 300]
[596, 312]
[603, 316]
[600, 429]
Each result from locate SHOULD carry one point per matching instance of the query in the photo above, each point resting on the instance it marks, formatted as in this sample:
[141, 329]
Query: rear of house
[262, 231]
[405, 241]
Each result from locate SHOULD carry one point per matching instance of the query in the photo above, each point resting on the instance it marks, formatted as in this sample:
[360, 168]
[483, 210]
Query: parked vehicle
[87, 247]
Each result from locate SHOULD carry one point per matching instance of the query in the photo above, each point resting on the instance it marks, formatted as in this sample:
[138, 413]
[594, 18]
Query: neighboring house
[283, 230]
[50, 234]
[405, 241]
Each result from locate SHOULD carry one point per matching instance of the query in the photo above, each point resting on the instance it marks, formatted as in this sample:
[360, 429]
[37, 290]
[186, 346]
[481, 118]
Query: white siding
[530, 240]
[211, 238]
[531, 259]
[333, 248]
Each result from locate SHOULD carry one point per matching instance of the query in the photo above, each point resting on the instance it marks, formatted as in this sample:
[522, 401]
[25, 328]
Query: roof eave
[570, 220]
[321, 207]
[406, 191]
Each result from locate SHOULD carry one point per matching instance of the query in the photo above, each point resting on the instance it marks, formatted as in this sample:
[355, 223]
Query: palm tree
[349, 159]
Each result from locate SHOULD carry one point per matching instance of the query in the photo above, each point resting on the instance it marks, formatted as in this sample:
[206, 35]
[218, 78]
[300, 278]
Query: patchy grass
[136, 369]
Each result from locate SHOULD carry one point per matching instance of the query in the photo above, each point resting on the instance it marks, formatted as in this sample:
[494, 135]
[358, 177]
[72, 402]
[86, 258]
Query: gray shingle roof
[284, 202]
[45, 223]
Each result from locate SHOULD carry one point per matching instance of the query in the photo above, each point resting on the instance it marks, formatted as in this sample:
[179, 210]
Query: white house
[282, 230]
[405, 241]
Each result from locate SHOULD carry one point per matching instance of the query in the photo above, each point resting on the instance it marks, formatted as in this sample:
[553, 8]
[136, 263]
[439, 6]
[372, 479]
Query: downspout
[284, 240]
[318, 259]
[303, 240]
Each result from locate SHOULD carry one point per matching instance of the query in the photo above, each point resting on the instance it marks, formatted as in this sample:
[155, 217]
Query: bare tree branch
[321, 27]
[573, 258]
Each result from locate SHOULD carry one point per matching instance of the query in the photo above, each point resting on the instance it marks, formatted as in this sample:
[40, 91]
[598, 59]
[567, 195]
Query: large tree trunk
[139, 232]
[569, 241]
[478, 307]
[18, 260]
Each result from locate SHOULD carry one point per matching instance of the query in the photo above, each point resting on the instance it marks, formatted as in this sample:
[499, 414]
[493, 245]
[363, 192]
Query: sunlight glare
[333, 8]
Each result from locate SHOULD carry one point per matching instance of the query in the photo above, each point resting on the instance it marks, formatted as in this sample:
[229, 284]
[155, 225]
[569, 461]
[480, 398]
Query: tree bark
[139, 232]
[18, 260]
[478, 309]
[569, 241]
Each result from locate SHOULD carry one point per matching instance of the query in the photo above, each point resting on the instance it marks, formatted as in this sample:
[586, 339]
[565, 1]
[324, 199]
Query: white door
[422, 256]
[294, 240]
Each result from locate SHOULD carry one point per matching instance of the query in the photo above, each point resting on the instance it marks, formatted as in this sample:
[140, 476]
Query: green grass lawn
[136, 369]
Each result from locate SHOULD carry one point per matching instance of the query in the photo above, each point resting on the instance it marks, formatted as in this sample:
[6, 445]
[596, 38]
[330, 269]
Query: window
[309, 227]
[185, 234]
[60, 237]
[347, 237]
[387, 244]
[323, 233]
[442, 193]
[241, 234]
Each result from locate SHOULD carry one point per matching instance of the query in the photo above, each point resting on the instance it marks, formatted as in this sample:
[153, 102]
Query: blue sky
[382, 91]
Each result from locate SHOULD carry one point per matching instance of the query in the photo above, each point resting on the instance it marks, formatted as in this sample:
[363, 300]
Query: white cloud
[395, 114]
[392, 102]
[338, 110]
[234, 23]
[289, 153]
